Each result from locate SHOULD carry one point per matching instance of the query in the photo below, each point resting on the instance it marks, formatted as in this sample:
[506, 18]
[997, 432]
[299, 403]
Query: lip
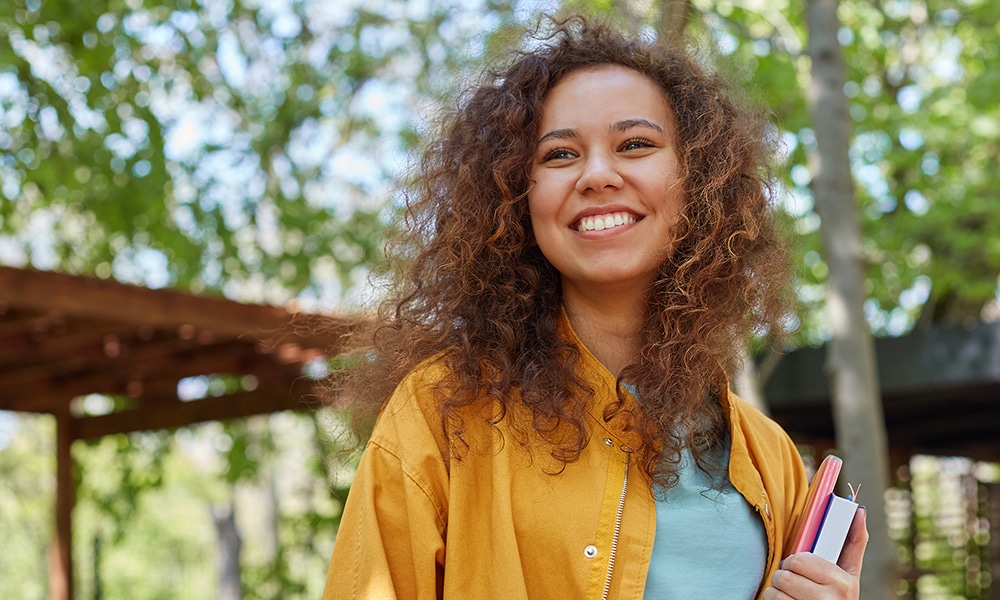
[604, 210]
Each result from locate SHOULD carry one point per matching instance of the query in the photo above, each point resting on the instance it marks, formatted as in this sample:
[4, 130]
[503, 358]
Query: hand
[805, 576]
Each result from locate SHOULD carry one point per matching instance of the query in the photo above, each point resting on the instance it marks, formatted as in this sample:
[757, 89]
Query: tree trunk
[230, 586]
[271, 539]
[98, 593]
[857, 405]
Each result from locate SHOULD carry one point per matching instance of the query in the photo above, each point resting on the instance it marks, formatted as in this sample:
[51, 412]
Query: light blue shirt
[710, 542]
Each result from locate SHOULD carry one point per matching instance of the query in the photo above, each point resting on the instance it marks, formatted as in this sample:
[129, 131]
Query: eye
[558, 154]
[635, 144]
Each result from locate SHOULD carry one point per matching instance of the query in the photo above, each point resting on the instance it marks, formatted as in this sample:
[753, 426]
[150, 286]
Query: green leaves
[925, 137]
[929, 219]
[198, 146]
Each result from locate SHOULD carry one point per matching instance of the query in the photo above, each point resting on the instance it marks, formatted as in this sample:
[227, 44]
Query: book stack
[822, 528]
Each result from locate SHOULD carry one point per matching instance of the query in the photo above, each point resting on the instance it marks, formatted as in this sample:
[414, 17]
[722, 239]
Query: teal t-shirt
[710, 542]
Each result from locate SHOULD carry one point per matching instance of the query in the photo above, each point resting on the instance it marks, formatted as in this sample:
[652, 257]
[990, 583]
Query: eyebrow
[619, 126]
[560, 134]
[630, 123]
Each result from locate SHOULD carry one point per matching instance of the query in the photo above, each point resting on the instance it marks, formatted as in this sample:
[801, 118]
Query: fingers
[807, 576]
[790, 585]
[772, 593]
[853, 553]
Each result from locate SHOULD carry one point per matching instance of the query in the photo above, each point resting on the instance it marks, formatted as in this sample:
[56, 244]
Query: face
[606, 190]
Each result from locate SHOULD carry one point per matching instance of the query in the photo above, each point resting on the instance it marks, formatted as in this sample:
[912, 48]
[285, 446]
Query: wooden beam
[33, 389]
[266, 399]
[958, 428]
[932, 363]
[21, 322]
[78, 337]
[94, 298]
[178, 357]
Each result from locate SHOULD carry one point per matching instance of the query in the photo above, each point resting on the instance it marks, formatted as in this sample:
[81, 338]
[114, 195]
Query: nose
[599, 172]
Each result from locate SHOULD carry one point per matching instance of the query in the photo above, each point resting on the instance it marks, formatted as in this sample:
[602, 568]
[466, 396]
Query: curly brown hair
[472, 288]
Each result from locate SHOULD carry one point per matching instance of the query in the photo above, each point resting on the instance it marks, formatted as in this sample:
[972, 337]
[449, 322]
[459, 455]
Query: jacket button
[767, 510]
[590, 551]
[609, 443]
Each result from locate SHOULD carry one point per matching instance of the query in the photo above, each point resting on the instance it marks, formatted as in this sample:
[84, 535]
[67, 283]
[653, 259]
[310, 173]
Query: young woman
[590, 241]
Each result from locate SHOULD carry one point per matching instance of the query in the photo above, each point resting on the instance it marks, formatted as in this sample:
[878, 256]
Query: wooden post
[61, 551]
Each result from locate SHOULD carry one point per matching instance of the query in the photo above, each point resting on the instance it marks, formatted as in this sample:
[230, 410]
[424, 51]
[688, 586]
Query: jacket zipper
[618, 528]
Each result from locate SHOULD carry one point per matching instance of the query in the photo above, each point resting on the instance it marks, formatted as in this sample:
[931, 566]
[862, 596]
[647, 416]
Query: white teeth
[600, 222]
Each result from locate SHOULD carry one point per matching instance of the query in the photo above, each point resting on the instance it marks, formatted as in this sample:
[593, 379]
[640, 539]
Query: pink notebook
[817, 498]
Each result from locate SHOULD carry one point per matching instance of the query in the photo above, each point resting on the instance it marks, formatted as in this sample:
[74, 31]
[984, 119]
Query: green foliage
[27, 460]
[127, 467]
[288, 494]
[926, 154]
[126, 522]
[926, 129]
[307, 527]
[247, 149]
[238, 147]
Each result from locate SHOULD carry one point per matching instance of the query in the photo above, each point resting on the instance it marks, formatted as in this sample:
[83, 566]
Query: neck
[610, 326]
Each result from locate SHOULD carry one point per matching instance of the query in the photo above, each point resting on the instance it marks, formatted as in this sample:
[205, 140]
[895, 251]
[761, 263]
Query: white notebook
[833, 531]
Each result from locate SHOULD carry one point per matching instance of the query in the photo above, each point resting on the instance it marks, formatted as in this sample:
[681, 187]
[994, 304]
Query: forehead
[606, 91]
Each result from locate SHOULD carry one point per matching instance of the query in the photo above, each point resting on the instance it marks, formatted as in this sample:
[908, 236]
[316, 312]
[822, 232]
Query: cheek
[540, 205]
[548, 188]
[541, 216]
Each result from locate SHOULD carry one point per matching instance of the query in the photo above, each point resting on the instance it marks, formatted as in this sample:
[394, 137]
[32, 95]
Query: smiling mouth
[608, 221]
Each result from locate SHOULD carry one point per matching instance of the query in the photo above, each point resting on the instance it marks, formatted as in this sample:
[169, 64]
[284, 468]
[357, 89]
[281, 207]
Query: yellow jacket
[496, 522]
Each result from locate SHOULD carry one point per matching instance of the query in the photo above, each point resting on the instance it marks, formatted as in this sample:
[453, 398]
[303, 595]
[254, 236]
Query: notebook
[823, 525]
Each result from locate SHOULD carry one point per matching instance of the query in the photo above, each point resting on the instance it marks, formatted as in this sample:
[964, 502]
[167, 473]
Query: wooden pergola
[64, 337]
[940, 392]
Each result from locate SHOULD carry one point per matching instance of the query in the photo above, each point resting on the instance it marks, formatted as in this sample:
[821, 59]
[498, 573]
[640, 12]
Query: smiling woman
[605, 194]
[589, 242]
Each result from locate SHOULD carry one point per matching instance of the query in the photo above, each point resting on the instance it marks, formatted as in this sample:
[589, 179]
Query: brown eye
[558, 154]
[635, 144]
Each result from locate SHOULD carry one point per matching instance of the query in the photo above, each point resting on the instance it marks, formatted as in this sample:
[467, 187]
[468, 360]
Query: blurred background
[179, 179]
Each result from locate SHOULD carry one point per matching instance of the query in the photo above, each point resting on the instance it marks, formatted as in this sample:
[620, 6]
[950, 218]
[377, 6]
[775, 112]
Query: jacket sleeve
[391, 541]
